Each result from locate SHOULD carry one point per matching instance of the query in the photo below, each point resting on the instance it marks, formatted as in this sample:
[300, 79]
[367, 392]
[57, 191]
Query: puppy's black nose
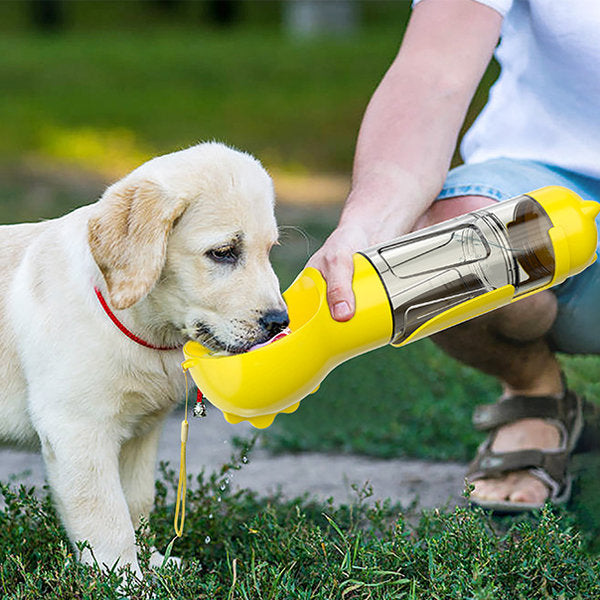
[274, 321]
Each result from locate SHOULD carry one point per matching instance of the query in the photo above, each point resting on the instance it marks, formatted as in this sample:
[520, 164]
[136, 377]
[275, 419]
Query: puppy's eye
[224, 254]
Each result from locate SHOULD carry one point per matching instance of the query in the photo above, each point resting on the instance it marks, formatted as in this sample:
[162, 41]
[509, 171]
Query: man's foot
[519, 486]
[524, 461]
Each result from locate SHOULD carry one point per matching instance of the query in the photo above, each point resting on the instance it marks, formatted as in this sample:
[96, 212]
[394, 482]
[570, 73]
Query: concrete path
[418, 483]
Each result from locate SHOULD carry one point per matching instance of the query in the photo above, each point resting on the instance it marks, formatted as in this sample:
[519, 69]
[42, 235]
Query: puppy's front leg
[137, 464]
[83, 471]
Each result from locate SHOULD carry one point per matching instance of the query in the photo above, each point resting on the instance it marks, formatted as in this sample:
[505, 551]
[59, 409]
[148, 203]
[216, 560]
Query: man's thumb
[340, 298]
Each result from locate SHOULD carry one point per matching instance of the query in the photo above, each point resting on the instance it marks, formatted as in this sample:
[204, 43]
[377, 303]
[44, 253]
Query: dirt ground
[415, 484]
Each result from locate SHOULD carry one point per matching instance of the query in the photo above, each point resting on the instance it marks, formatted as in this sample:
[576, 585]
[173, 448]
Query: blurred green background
[91, 89]
[141, 77]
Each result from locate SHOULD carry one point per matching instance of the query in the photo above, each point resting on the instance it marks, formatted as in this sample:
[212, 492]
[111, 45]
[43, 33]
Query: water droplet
[244, 459]
[218, 498]
[207, 539]
[210, 516]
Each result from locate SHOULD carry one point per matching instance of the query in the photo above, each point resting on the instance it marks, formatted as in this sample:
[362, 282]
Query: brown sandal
[549, 466]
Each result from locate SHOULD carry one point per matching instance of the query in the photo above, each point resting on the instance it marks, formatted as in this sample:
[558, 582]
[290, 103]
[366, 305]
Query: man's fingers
[340, 296]
[341, 310]
[334, 261]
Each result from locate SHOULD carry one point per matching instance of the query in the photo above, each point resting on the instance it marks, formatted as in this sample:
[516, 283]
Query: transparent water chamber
[432, 270]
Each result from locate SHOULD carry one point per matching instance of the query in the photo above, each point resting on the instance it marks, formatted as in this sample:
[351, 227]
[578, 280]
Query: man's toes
[489, 489]
[530, 490]
[515, 487]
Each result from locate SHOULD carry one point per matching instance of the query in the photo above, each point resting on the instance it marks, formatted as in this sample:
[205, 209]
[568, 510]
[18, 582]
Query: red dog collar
[124, 329]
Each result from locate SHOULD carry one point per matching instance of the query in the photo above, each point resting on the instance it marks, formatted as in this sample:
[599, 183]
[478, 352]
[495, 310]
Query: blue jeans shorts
[577, 326]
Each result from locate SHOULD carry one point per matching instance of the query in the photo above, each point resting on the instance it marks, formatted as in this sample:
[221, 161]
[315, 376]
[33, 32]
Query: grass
[390, 403]
[239, 546]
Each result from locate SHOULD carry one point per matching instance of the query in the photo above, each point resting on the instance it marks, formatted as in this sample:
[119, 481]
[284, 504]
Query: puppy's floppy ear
[128, 237]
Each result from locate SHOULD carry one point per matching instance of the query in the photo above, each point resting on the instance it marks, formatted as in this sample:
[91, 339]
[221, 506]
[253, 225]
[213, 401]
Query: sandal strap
[492, 464]
[508, 410]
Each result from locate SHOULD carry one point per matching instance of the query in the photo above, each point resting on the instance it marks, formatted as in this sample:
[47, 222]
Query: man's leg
[509, 344]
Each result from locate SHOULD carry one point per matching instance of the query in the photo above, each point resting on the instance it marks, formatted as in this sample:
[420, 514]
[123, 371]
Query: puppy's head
[186, 238]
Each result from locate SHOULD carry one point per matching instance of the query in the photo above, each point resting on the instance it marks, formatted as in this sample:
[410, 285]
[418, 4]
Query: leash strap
[182, 484]
[199, 411]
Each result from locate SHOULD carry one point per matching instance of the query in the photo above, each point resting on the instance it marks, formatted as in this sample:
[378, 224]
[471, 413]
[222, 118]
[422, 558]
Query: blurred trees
[47, 15]
[315, 17]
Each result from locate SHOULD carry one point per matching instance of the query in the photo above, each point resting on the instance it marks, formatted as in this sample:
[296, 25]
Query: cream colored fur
[74, 384]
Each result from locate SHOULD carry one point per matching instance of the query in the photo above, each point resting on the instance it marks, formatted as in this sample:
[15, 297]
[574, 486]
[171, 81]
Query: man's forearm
[411, 125]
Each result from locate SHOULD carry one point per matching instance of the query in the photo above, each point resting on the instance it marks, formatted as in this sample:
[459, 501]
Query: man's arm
[408, 133]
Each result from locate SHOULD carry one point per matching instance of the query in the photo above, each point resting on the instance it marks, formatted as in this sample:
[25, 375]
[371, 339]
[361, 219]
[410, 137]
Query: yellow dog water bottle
[405, 290]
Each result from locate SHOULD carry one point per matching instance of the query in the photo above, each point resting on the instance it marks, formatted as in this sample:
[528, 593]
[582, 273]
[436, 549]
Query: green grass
[239, 546]
[412, 401]
[389, 403]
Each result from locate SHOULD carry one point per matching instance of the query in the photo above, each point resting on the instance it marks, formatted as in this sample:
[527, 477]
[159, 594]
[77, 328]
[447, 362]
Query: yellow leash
[182, 484]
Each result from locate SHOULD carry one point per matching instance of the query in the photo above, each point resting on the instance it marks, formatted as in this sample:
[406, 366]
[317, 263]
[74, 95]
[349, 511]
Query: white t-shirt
[545, 105]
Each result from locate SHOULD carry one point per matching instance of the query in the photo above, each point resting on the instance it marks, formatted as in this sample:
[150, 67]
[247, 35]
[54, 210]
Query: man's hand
[334, 261]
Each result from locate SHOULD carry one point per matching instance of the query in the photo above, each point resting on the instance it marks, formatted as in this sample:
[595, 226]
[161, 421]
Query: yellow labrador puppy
[95, 307]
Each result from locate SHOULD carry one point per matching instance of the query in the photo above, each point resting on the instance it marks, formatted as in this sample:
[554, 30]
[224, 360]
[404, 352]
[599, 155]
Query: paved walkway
[424, 484]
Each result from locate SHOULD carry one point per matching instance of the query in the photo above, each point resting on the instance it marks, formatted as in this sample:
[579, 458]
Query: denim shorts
[577, 326]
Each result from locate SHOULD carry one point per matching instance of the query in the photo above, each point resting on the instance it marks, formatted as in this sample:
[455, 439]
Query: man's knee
[528, 319]
[522, 322]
